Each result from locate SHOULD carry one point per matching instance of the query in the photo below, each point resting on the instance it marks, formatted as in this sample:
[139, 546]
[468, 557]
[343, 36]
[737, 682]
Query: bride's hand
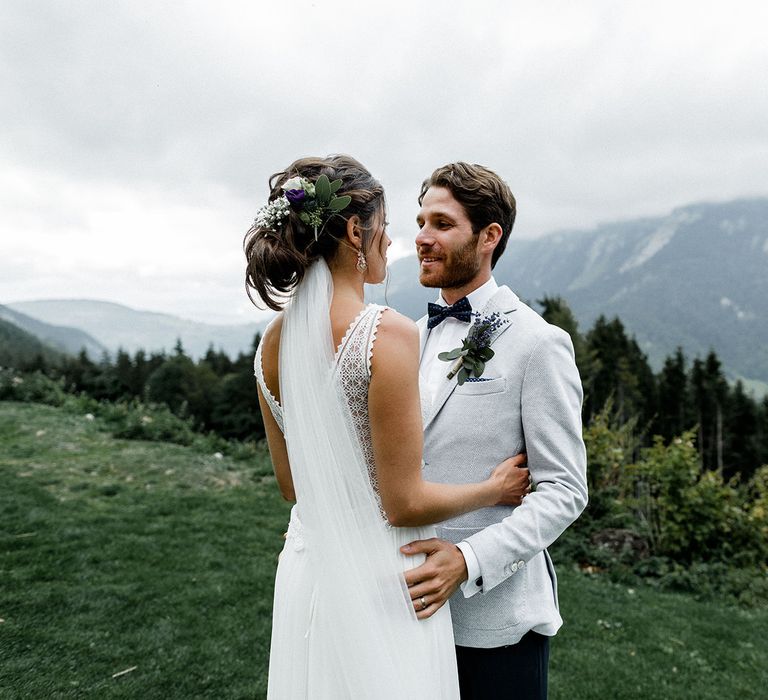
[512, 480]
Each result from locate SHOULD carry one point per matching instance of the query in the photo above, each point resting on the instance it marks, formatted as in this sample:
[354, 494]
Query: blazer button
[513, 567]
[520, 564]
[479, 581]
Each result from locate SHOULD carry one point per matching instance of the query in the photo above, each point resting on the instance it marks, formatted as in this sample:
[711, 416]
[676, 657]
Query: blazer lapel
[505, 301]
[421, 324]
[441, 396]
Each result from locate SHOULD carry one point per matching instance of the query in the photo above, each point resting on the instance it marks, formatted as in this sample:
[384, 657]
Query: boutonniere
[475, 349]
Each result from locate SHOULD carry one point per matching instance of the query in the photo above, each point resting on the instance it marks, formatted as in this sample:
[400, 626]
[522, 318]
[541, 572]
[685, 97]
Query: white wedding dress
[343, 625]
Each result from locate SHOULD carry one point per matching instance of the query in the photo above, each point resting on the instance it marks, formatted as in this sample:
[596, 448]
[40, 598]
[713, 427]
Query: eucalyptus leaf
[479, 368]
[335, 186]
[339, 203]
[322, 190]
[462, 376]
[485, 354]
[450, 355]
[304, 217]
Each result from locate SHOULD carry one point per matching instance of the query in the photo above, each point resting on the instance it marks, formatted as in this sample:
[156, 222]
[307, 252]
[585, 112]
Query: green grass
[117, 554]
[622, 642]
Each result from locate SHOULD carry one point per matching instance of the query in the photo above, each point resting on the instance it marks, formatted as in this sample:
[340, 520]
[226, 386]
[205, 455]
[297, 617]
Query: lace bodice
[353, 369]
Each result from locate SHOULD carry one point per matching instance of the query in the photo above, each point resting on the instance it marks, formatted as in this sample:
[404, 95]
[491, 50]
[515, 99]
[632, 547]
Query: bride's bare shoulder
[395, 324]
[396, 334]
[271, 336]
[270, 342]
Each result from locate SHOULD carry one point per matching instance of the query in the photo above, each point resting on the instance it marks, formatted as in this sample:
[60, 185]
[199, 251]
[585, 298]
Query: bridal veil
[372, 646]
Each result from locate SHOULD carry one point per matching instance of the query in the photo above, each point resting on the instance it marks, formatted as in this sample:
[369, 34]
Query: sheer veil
[361, 603]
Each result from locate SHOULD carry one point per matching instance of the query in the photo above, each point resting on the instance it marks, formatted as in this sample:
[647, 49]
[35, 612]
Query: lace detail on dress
[274, 406]
[353, 368]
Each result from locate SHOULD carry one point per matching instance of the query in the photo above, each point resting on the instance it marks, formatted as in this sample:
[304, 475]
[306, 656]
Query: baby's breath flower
[270, 215]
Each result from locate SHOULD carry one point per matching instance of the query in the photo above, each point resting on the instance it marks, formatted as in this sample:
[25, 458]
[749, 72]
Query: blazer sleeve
[551, 397]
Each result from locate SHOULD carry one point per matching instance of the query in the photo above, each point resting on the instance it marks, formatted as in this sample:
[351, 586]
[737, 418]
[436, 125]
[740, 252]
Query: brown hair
[485, 197]
[278, 259]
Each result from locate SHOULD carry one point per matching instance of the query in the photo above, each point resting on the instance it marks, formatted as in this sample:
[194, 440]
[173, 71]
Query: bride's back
[343, 314]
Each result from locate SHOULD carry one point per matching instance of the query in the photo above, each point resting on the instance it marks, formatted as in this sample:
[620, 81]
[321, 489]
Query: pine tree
[236, 413]
[709, 391]
[762, 431]
[219, 361]
[36, 364]
[622, 374]
[674, 411]
[123, 375]
[741, 439]
[185, 388]
[140, 373]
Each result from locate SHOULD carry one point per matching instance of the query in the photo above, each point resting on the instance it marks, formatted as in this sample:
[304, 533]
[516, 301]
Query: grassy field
[143, 570]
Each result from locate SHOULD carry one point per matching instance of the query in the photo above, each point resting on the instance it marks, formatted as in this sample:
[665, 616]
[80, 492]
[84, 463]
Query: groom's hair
[485, 197]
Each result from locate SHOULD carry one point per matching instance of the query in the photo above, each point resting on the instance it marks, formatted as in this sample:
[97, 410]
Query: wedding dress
[343, 623]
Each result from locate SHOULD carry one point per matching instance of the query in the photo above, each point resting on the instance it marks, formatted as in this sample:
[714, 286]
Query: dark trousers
[515, 672]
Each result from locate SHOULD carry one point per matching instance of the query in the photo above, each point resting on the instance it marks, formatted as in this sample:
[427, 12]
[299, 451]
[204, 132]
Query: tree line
[218, 393]
[731, 427]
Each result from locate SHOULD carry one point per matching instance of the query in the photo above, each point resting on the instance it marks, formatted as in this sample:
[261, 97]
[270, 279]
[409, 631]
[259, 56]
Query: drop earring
[362, 263]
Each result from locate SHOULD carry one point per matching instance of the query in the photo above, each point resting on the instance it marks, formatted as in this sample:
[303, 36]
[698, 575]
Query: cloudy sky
[136, 138]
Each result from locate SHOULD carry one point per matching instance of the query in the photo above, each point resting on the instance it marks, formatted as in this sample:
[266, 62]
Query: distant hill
[60, 337]
[696, 278]
[18, 347]
[117, 326]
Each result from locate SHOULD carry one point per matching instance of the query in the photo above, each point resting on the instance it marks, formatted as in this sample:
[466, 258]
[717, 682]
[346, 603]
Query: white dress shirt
[448, 335]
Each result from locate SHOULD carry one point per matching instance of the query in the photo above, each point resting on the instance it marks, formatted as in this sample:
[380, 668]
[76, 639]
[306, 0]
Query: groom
[527, 398]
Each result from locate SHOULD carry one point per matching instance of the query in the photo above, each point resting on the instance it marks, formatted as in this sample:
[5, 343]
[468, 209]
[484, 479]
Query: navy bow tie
[461, 311]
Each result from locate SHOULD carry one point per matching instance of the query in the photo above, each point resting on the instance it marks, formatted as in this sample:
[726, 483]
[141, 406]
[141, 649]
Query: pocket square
[478, 379]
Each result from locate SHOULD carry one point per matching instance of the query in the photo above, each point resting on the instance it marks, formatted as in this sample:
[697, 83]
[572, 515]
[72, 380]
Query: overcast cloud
[136, 138]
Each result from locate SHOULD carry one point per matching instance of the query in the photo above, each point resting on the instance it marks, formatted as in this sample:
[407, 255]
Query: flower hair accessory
[475, 349]
[314, 202]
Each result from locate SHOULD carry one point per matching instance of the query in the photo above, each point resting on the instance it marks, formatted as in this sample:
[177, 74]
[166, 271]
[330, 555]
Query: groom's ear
[354, 231]
[490, 237]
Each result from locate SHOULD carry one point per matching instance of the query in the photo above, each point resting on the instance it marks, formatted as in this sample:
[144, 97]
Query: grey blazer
[528, 399]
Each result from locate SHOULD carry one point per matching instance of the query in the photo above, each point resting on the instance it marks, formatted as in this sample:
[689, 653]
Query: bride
[338, 388]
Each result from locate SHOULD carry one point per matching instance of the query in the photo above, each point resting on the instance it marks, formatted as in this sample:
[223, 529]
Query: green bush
[689, 514]
[32, 387]
[758, 510]
[714, 580]
[610, 448]
[663, 518]
[133, 420]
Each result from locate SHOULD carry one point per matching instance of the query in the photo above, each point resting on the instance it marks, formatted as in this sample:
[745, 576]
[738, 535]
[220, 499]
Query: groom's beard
[457, 269]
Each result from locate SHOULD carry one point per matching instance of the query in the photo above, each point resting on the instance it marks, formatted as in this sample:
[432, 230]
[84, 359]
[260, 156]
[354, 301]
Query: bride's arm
[277, 449]
[397, 434]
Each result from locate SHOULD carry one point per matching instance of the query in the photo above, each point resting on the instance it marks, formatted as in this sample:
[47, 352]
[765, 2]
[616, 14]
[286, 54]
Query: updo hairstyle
[277, 258]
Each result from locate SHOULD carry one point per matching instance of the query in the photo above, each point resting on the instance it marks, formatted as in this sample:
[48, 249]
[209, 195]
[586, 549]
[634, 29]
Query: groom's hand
[437, 579]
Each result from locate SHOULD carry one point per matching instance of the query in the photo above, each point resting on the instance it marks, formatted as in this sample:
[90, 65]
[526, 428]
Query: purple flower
[296, 197]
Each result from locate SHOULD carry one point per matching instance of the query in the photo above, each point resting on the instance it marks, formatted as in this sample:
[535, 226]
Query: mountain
[18, 347]
[117, 326]
[697, 278]
[62, 338]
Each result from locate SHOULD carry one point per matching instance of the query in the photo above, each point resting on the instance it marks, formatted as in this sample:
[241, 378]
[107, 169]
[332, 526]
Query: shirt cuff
[474, 582]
